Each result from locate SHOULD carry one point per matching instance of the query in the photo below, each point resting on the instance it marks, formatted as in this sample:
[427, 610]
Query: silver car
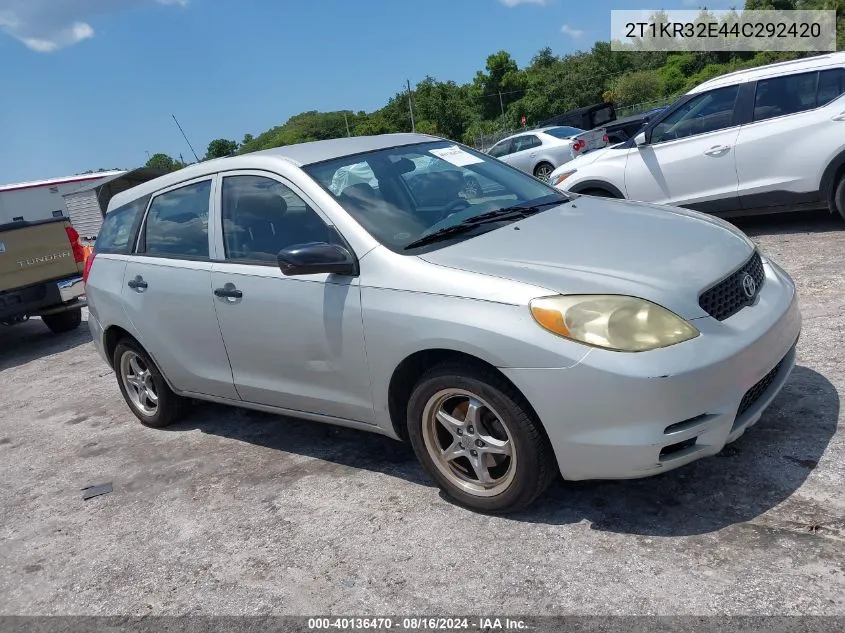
[508, 337]
[541, 151]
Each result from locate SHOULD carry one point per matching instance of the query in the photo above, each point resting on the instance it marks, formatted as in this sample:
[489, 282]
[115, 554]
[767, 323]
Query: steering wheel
[453, 207]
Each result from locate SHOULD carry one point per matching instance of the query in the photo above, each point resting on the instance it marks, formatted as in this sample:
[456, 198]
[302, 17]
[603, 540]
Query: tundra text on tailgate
[41, 273]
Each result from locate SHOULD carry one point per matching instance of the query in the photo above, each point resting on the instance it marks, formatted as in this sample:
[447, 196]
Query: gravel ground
[235, 512]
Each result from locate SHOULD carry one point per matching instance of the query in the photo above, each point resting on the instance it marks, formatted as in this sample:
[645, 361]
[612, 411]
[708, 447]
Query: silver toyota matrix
[410, 286]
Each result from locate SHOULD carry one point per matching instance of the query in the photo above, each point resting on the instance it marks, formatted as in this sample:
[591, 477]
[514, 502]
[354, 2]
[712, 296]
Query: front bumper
[622, 416]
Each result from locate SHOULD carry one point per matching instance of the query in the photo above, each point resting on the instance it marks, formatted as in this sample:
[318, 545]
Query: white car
[540, 151]
[762, 140]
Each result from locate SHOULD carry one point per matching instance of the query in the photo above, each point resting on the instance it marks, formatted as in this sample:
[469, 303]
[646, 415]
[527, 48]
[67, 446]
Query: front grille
[753, 395]
[729, 296]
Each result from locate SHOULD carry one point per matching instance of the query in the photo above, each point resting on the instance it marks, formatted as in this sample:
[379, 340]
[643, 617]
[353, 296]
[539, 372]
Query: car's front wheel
[144, 388]
[544, 170]
[839, 197]
[478, 438]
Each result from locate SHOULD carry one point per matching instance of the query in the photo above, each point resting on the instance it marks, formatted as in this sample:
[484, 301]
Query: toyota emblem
[749, 286]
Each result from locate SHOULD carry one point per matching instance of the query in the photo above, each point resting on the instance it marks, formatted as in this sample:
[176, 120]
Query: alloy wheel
[138, 381]
[469, 442]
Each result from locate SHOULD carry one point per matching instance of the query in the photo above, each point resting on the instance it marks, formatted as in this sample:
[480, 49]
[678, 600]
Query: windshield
[563, 132]
[403, 194]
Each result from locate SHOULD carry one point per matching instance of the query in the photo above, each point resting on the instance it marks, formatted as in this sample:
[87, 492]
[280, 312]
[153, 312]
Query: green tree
[218, 148]
[163, 162]
[638, 87]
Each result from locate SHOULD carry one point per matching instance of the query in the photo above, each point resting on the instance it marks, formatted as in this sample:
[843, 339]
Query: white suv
[763, 140]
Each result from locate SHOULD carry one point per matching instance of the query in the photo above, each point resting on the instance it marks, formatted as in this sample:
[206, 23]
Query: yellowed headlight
[614, 322]
[561, 177]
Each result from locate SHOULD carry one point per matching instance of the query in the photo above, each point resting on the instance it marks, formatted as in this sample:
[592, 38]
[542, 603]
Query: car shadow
[749, 477]
[789, 223]
[26, 342]
[346, 447]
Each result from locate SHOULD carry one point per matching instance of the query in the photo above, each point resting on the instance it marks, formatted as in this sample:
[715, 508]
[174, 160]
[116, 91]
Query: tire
[158, 409]
[543, 171]
[597, 193]
[62, 322]
[507, 439]
[839, 197]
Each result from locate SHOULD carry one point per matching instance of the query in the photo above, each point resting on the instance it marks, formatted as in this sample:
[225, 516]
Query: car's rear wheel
[544, 170]
[62, 322]
[144, 388]
[839, 197]
[478, 438]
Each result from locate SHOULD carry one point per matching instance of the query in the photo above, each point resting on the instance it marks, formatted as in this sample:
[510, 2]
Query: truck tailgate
[34, 252]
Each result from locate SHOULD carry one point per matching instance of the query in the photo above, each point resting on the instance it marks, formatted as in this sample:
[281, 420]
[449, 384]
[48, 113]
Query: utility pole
[502, 106]
[411, 107]
[346, 120]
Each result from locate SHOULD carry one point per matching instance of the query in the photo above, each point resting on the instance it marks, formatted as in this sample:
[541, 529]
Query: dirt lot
[242, 513]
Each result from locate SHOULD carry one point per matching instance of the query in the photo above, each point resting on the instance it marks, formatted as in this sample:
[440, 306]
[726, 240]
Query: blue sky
[93, 83]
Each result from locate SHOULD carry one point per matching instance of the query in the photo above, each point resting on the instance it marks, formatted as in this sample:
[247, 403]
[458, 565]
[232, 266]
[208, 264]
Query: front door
[167, 292]
[293, 342]
[690, 159]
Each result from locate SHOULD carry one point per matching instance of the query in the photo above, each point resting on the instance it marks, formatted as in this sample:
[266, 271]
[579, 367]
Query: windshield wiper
[516, 212]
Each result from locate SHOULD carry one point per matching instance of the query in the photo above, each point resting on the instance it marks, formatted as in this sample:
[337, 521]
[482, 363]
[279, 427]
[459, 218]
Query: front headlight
[556, 180]
[615, 322]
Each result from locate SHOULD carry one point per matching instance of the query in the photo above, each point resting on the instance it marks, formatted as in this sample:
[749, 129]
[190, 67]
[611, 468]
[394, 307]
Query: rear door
[794, 133]
[524, 152]
[690, 159]
[167, 291]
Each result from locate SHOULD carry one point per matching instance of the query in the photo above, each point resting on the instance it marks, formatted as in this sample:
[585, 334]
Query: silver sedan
[510, 337]
[540, 152]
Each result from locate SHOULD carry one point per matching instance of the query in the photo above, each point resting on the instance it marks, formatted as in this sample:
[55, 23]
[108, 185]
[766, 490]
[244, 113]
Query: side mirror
[315, 258]
[640, 139]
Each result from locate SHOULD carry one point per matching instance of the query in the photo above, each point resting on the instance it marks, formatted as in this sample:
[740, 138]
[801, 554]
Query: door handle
[228, 292]
[138, 284]
[717, 150]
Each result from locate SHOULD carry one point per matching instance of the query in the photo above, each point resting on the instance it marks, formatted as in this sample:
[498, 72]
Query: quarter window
[707, 112]
[119, 227]
[831, 85]
[177, 222]
[261, 217]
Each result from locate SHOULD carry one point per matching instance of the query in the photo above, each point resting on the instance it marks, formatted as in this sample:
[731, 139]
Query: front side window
[501, 149]
[177, 223]
[707, 112]
[261, 217]
[118, 229]
[422, 189]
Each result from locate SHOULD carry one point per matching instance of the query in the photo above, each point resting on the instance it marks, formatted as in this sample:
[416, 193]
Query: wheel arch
[114, 334]
[830, 177]
[586, 185]
[408, 372]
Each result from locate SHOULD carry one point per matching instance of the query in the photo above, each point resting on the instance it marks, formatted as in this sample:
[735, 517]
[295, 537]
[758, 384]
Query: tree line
[502, 93]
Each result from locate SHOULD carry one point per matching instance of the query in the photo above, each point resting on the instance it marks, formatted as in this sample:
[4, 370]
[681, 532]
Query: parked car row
[763, 140]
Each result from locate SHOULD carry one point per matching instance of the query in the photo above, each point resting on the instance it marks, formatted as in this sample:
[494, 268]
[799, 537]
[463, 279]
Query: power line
[185, 137]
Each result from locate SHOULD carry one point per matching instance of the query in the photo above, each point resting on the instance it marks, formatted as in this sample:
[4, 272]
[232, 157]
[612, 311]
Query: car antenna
[185, 137]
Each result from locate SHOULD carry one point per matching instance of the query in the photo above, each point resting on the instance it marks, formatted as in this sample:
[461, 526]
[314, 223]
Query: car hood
[596, 245]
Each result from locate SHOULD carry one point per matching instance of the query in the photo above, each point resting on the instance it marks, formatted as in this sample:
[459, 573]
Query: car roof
[815, 62]
[300, 155]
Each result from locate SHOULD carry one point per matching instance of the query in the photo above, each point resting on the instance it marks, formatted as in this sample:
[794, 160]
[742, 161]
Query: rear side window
[781, 96]
[117, 235]
[177, 223]
[831, 85]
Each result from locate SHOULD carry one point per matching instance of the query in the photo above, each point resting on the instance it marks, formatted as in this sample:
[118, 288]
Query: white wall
[38, 203]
